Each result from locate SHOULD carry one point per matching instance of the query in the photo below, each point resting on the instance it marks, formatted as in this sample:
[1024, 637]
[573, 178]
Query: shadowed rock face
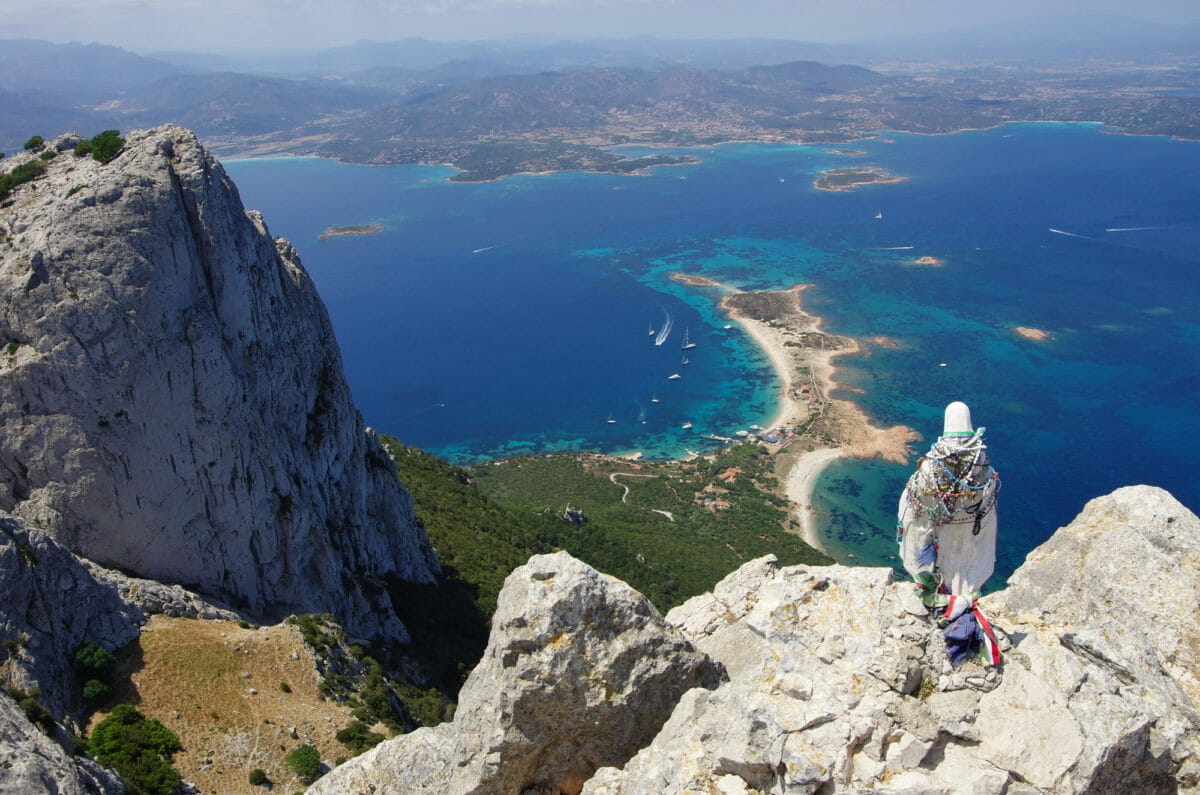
[172, 394]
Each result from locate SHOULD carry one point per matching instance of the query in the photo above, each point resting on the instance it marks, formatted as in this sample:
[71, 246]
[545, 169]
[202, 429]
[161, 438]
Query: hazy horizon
[263, 26]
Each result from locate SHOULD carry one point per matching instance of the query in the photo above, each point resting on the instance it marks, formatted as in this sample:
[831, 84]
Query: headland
[816, 428]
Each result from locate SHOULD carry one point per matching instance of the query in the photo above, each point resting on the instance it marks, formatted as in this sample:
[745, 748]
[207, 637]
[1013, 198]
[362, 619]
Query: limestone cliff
[172, 397]
[838, 682]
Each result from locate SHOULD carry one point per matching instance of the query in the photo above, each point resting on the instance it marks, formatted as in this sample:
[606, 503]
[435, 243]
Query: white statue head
[958, 420]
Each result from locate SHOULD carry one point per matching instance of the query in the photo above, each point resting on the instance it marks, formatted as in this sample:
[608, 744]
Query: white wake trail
[665, 331]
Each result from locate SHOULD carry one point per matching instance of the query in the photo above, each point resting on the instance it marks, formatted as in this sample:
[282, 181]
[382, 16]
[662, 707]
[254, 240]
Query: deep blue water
[512, 316]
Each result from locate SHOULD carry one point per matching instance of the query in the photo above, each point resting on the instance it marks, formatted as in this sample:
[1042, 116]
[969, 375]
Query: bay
[492, 319]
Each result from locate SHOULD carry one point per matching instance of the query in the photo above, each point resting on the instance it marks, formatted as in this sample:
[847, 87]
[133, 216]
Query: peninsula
[818, 428]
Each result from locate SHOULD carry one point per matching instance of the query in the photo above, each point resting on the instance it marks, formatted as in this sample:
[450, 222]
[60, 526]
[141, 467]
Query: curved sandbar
[842, 179]
[357, 229]
[802, 356]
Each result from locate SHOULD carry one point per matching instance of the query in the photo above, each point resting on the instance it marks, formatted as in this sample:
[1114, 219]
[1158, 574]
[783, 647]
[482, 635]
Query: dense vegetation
[487, 520]
[479, 542]
[139, 748]
[714, 525]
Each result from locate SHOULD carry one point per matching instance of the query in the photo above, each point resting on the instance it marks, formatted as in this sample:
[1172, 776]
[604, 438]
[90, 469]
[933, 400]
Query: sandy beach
[802, 356]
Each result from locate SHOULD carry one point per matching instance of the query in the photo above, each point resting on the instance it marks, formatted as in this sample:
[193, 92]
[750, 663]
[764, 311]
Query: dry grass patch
[220, 687]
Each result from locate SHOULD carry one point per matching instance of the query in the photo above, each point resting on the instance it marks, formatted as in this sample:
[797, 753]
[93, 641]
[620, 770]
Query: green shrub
[48, 155]
[20, 174]
[93, 661]
[358, 737]
[37, 714]
[305, 762]
[285, 687]
[83, 148]
[94, 690]
[107, 145]
[34, 142]
[76, 189]
[139, 749]
[258, 777]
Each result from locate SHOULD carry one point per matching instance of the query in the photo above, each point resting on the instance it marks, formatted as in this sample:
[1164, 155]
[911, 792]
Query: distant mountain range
[423, 101]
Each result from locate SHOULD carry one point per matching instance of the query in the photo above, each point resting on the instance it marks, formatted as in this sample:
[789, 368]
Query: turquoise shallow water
[498, 318]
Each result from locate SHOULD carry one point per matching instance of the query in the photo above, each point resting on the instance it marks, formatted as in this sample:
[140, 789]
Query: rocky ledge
[835, 681]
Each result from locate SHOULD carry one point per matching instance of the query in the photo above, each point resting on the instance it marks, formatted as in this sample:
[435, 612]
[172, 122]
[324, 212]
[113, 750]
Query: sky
[237, 26]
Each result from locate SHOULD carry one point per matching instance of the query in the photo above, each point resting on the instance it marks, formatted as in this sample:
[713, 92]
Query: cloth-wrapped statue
[946, 529]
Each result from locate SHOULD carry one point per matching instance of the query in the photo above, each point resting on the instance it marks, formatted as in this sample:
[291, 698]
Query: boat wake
[1132, 228]
[665, 331]
[1070, 234]
[894, 248]
[485, 248]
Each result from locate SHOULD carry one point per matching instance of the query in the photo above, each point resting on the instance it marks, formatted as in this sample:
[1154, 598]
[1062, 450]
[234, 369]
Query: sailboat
[673, 376]
[653, 398]
[687, 342]
[684, 360]
[611, 421]
[879, 215]
[652, 332]
[687, 426]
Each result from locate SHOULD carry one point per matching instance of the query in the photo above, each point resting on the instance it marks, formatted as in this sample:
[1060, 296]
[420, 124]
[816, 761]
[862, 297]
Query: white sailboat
[611, 421]
[673, 376]
[879, 215]
[687, 426]
[687, 341]
[653, 398]
[684, 360]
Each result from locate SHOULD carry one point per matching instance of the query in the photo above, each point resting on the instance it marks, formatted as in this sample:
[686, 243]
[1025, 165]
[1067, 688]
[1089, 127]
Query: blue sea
[510, 317]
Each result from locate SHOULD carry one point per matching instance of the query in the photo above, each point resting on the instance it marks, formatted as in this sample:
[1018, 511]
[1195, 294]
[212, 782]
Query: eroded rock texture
[172, 397]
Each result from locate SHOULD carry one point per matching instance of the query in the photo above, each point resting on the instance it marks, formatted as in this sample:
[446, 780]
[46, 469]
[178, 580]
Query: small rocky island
[356, 229]
[844, 179]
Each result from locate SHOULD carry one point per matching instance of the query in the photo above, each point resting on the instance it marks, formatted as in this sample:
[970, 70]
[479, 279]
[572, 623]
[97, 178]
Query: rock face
[837, 682]
[580, 671]
[172, 394]
[53, 602]
[32, 762]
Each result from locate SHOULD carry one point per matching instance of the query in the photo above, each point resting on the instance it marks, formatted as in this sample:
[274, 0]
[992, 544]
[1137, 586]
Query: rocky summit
[835, 680]
[172, 394]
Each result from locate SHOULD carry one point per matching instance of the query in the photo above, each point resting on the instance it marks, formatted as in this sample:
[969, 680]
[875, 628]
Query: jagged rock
[837, 686]
[172, 394]
[31, 762]
[580, 671]
[53, 602]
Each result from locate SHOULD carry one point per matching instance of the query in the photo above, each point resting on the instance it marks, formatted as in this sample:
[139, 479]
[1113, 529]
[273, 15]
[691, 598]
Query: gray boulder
[838, 681]
[30, 762]
[580, 671]
[172, 394]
